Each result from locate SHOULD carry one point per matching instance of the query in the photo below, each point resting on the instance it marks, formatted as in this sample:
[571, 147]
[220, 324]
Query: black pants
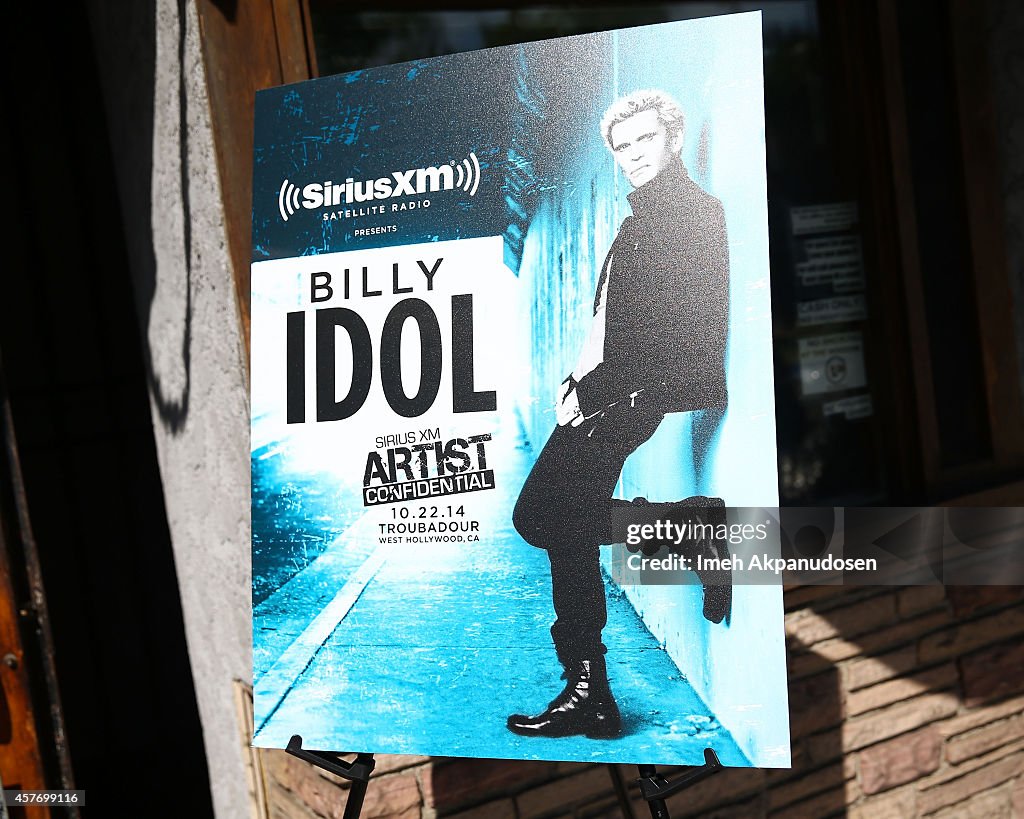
[565, 506]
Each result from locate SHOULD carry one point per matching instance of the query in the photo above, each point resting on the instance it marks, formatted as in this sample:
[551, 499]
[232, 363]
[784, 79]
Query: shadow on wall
[147, 196]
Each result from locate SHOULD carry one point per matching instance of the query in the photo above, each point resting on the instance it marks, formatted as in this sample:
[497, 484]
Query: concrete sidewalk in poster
[427, 649]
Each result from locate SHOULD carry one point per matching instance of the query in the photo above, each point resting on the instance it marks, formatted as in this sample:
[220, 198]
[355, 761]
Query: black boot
[696, 511]
[717, 583]
[585, 706]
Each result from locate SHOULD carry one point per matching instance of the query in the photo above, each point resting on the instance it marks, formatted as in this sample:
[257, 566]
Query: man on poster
[656, 345]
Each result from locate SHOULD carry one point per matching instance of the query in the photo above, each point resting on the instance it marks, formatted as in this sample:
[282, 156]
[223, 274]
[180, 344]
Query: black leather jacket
[667, 311]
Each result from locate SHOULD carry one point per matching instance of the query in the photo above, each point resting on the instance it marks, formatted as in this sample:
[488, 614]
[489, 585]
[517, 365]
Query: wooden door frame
[34, 753]
[247, 46]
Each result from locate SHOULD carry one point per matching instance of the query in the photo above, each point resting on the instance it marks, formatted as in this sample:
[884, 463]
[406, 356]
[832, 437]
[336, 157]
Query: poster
[496, 295]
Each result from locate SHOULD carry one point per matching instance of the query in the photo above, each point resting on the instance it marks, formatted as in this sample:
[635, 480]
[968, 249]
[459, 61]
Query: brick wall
[904, 702]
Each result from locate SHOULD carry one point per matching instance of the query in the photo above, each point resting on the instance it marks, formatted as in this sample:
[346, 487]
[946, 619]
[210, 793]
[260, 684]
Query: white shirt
[592, 353]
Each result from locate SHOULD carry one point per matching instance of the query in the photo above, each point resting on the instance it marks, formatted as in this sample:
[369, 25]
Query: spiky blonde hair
[668, 110]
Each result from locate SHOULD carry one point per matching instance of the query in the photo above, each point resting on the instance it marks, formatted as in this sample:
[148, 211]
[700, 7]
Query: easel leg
[357, 772]
[356, 793]
[659, 810]
[655, 787]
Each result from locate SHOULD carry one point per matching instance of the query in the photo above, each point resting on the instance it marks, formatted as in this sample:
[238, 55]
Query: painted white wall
[159, 118]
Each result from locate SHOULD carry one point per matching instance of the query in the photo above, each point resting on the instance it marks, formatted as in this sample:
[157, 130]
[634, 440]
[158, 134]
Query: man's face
[642, 147]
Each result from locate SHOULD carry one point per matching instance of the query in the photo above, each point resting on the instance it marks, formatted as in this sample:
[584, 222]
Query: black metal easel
[655, 788]
[358, 771]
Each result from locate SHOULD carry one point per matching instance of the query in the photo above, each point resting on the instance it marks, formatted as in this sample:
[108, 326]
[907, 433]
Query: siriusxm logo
[464, 175]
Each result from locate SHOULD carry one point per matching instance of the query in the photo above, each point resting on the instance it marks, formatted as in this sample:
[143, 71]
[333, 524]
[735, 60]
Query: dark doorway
[74, 363]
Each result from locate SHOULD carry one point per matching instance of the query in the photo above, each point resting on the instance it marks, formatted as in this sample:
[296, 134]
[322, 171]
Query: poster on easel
[502, 301]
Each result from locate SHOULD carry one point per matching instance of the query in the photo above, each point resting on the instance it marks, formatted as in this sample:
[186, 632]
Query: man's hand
[567, 410]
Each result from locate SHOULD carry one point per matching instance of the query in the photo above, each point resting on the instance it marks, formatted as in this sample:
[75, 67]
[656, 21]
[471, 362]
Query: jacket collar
[664, 191]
